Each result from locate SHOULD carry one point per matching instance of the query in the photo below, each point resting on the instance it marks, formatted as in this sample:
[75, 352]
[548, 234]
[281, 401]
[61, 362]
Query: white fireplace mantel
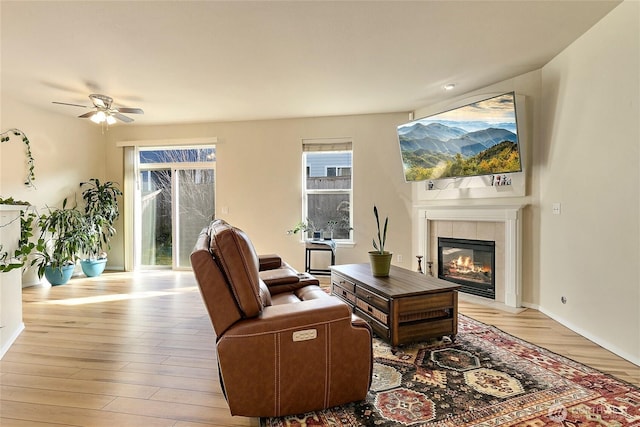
[511, 217]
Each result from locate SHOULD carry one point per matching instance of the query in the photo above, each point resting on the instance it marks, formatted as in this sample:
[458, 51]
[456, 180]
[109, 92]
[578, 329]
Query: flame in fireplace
[464, 261]
[465, 264]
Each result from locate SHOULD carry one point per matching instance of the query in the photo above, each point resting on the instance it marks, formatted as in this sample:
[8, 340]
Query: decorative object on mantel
[430, 264]
[6, 136]
[505, 380]
[380, 259]
[419, 270]
[500, 180]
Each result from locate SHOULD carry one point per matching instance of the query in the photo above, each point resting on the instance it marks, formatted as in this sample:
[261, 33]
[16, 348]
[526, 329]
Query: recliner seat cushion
[237, 258]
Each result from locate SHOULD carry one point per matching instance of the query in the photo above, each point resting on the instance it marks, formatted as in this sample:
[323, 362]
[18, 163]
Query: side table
[322, 246]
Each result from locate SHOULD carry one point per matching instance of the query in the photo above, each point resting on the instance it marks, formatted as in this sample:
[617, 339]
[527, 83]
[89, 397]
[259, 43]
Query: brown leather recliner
[284, 346]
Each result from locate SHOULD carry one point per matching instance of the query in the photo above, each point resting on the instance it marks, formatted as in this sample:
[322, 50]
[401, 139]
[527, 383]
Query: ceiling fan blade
[66, 103]
[87, 115]
[130, 110]
[122, 117]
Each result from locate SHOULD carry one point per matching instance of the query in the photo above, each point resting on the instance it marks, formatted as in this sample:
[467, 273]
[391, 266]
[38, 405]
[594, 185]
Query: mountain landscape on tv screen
[441, 149]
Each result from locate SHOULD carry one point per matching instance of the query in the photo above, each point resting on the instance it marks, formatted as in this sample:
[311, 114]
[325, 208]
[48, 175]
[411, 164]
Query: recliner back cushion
[239, 262]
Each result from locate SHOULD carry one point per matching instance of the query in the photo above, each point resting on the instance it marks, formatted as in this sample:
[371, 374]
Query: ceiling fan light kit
[103, 111]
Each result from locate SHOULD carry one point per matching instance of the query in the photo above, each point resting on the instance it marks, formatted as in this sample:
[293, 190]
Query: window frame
[307, 192]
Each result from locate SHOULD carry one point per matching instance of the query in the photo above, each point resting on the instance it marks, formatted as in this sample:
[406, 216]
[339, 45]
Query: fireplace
[469, 263]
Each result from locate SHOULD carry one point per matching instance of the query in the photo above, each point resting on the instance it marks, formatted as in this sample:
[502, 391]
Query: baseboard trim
[598, 340]
[11, 340]
[462, 296]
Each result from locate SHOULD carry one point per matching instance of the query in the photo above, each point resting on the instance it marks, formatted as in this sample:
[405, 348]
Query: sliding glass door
[176, 200]
[195, 203]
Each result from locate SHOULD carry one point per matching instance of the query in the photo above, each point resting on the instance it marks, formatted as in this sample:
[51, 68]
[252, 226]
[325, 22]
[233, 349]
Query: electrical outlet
[399, 258]
[556, 208]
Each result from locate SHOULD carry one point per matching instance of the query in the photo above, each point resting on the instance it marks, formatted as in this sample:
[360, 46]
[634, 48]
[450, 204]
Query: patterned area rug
[486, 378]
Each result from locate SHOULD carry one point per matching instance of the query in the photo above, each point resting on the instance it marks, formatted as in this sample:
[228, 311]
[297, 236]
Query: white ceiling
[216, 61]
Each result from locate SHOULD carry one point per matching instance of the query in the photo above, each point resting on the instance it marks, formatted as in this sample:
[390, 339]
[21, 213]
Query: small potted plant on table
[380, 259]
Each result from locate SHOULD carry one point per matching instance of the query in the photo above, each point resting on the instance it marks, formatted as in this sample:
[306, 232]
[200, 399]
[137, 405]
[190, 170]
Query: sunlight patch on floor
[118, 297]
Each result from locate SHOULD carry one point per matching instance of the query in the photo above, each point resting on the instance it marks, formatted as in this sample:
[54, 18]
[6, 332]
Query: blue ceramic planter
[59, 276]
[93, 267]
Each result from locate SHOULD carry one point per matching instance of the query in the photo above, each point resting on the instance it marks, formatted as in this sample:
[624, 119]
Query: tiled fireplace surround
[499, 224]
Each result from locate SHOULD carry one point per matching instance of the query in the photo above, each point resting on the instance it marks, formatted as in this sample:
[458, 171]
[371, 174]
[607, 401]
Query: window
[327, 188]
[338, 171]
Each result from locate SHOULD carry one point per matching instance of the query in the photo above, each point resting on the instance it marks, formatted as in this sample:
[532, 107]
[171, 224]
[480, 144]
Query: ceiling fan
[104, 111]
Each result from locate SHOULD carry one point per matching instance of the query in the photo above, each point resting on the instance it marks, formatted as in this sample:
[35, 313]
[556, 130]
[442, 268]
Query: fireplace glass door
[469, 263]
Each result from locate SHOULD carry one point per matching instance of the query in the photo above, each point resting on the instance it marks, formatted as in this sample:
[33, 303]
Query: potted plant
[307, 226]
[101, 212]
[380, 259]
[61, 239]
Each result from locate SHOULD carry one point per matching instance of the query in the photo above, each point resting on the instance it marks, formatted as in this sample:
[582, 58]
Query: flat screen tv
[476, 139]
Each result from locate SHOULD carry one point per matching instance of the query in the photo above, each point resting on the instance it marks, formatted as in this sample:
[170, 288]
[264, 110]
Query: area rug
[485, 378]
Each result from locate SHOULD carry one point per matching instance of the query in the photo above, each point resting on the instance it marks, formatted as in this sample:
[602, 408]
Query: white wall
[259, 178]
[589, 162]
[66, 150]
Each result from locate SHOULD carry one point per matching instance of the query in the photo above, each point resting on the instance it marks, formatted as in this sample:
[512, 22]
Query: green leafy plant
[382, 238]
[303, 226]
[25, 247]
[101, 212]
[6, 136]
[61, 238]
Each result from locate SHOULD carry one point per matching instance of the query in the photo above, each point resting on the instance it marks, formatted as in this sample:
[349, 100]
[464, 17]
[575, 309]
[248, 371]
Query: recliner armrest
[284, 317]
[286, 279]
[279, 276]
[269, 262]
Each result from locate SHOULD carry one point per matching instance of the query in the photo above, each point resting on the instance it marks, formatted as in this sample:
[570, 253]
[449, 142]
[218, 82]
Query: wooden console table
[405, 307]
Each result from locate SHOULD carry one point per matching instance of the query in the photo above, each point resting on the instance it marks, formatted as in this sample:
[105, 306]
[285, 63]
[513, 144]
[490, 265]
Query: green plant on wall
[25, 247]
[6, 136]
[8, 263]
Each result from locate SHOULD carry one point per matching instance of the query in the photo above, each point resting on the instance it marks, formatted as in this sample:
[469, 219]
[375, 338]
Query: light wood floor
[138, 350]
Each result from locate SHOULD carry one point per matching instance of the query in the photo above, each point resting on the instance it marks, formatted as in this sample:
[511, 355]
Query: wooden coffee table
[405, 307]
